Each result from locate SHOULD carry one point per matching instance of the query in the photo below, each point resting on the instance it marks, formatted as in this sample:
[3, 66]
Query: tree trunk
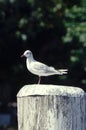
[50, 107]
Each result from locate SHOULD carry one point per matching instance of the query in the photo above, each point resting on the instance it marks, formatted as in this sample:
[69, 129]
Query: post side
[50, 107]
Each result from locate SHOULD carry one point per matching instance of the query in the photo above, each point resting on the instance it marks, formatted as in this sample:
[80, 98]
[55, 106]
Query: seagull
[40, 69]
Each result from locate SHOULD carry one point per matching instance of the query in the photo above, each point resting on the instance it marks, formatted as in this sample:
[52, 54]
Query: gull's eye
[28, 53]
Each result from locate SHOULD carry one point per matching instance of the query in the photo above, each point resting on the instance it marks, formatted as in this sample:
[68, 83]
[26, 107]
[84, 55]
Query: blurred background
[55, 31]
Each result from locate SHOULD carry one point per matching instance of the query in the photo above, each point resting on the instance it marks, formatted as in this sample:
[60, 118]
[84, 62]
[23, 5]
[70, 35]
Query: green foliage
[75, 23]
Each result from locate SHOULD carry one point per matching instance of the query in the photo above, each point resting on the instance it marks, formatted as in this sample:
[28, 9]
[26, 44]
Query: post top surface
[59, 90]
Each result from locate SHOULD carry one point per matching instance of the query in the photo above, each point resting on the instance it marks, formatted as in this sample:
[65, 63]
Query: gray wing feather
[37, 66]
[42, 68]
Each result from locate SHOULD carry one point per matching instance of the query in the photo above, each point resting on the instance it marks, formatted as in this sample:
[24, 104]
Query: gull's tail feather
[63, 71]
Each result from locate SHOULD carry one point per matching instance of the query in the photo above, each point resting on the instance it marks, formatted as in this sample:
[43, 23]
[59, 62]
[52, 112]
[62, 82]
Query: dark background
[55, 31]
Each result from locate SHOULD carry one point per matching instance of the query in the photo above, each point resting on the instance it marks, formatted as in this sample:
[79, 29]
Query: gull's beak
[22, 55]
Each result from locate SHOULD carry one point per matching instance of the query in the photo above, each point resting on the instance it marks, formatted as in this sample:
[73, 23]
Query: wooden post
[51, 107]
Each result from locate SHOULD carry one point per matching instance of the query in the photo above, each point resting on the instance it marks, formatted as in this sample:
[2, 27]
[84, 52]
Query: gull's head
[27, 54]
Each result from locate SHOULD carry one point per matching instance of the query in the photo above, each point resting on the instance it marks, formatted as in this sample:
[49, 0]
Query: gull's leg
[39, 80]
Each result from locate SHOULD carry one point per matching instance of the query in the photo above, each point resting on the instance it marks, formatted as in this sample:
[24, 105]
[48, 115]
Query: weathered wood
[50, 107]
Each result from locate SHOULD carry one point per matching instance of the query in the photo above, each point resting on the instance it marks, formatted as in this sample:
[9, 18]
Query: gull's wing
[42, 68]
[38, 66]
